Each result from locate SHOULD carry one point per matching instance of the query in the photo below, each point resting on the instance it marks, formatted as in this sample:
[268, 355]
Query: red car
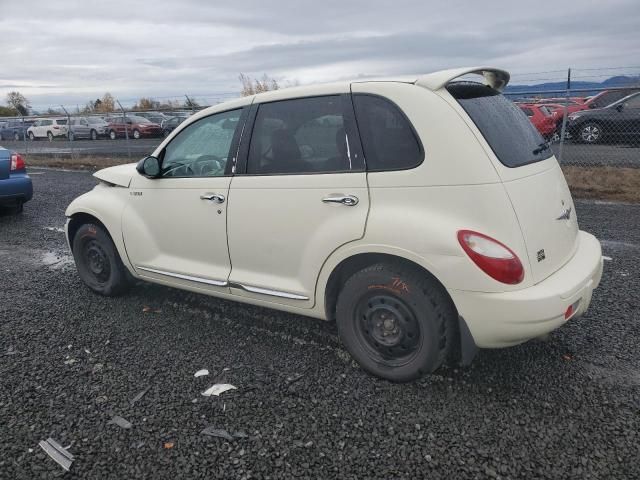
[542, 118]
[136, 127]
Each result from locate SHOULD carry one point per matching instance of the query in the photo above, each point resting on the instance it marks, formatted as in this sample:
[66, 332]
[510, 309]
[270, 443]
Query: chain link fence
[594, 132]
[587, 128]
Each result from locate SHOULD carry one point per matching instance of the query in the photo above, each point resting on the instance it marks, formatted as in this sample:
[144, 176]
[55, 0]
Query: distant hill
[542, 88]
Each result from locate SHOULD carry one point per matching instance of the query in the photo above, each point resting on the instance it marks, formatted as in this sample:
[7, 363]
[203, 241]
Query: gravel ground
[71, 360]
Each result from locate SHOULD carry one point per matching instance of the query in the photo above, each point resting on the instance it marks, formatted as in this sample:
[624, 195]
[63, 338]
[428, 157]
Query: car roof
[494, 77]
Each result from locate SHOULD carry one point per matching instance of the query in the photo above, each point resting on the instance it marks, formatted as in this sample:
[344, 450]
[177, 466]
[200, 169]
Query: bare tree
[19, 102]
[251, 86]
[146, 104]
[107, 103]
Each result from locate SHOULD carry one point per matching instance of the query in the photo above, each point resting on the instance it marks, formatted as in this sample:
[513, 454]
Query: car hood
[119, 175]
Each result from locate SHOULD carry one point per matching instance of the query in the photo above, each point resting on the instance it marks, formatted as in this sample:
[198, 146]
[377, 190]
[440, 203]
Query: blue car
[15, 184]
[14, 130]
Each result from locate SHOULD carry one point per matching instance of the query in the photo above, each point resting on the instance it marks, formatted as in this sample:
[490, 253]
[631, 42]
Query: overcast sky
[71, 51]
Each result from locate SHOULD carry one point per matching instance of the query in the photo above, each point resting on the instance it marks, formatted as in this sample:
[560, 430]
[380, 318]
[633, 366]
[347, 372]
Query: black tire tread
[445, 311]
[124, 279]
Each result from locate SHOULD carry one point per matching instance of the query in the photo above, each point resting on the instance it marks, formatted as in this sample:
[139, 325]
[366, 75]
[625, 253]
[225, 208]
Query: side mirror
[149, 167]
[620, 107]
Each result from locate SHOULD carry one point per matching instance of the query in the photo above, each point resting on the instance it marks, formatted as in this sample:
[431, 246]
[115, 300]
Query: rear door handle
[213, 197]
[348, 200]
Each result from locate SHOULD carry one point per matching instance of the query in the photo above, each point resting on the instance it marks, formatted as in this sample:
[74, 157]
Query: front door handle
[213, 197]
[348, 200]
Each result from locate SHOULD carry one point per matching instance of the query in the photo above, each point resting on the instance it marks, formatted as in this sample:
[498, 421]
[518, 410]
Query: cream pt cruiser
[426, 216]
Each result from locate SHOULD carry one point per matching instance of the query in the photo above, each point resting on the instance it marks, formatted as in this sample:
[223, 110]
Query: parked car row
[144, 124]
[589, 120]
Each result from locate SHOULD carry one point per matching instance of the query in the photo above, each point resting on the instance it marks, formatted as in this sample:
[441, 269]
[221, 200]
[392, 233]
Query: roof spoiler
[494, 77]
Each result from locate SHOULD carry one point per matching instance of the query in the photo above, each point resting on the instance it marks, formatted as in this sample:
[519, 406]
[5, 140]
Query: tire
[590, 133]
[1, 139]
[112, 135]
[397, 322]
[93, 135]
[71, 136]
[32, 137]
[136, 134]
[50, 136]
[98, 262]
[16, 137]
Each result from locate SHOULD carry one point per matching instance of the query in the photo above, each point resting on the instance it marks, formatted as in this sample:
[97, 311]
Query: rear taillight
[17, 163]
[494, 258]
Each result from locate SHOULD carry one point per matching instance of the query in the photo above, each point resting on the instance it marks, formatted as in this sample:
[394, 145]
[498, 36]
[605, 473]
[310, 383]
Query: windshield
[505, 127]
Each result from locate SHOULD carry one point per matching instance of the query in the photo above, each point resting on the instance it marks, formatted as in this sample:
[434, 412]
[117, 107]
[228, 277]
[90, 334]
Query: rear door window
[505, 127]
[301, 136]
[388, 138]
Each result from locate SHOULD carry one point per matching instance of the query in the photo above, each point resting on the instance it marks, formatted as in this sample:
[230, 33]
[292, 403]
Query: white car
[48, 128]
[424, 215]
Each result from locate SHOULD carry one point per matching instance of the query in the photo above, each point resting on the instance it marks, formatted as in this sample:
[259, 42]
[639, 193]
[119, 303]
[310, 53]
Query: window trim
[348, 115]
[235, 141]
[423, 153]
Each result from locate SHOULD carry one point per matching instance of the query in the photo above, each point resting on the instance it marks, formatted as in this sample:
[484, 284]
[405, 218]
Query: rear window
[505, 127]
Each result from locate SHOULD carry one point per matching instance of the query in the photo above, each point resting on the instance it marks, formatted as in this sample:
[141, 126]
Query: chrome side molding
[216, 283]
[266, 291]
[222, 283]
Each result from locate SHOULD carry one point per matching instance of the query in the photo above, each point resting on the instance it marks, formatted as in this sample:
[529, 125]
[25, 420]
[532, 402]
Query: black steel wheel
[388, 328]
[98, 262]
[396, 321]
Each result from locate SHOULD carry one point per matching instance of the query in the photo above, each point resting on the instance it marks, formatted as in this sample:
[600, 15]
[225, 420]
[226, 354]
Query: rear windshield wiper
[541, 148]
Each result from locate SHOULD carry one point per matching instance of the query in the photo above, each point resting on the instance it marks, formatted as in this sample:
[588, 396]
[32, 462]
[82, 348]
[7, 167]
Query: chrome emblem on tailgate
[565, 215]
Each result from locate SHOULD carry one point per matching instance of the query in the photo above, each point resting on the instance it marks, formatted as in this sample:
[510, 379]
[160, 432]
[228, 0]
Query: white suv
[48, 128]
[425, 216]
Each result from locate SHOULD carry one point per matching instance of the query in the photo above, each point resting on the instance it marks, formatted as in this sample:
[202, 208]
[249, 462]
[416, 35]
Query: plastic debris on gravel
[56, 451]
[217, 432]
[119, 421]
[218, 389]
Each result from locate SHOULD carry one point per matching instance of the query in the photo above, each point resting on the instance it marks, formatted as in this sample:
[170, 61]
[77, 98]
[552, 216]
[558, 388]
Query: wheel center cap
[389, 324]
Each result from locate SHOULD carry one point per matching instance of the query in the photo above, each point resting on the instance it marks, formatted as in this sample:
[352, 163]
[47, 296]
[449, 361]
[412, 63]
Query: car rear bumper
[17, 187]
[498, 320]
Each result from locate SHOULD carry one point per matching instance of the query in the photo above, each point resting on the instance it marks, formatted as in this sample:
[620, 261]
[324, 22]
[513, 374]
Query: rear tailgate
[530, 174]
[547, 218]
[5, 163]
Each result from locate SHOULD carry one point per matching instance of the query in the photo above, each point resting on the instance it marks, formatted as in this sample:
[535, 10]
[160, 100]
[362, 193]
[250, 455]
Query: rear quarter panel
[416, 213]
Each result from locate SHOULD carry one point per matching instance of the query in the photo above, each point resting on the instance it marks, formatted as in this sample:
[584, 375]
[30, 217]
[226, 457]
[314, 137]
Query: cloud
[73, 51]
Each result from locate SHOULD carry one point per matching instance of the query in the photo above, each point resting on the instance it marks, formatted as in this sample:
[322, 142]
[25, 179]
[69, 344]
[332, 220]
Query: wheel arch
[341, 269]
[78, 219]
[464, 349]
[91, 207]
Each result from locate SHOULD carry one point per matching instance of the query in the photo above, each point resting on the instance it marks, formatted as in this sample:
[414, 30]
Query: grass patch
[602, 183]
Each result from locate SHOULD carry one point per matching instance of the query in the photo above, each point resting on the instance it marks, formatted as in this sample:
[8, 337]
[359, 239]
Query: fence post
[190, 103]
[69, 131]
[564, 115]
[126, 128]
[24, 136]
